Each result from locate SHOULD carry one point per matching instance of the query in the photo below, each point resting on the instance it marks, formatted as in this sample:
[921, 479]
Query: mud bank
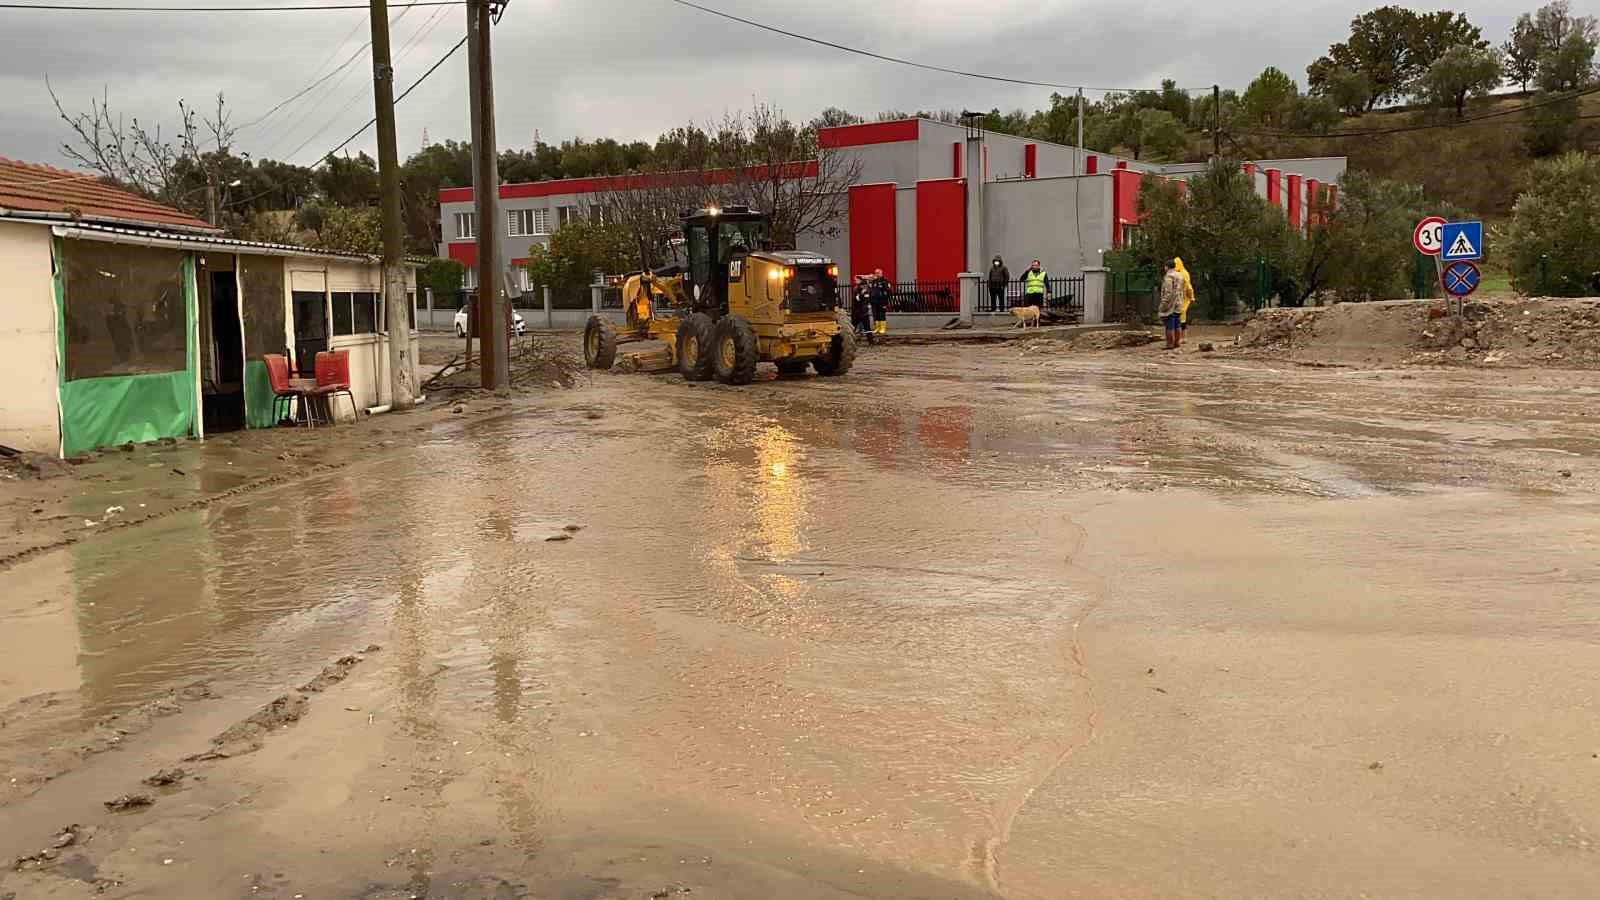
[1542, 333]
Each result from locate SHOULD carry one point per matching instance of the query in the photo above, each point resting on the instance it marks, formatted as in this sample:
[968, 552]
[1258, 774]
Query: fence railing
[1062, 295]
[1132, 296]
[925, 297]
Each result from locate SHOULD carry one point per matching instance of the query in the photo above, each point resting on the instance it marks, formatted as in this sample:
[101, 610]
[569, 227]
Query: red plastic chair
[286, 390]
[333, 379]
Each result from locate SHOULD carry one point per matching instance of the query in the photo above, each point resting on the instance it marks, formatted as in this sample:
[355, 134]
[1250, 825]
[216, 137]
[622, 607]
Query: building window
[355, 312]
[566, 215]
[466, 226]
[597, 213]
[469, 280]
[522, 280]
[526, 222]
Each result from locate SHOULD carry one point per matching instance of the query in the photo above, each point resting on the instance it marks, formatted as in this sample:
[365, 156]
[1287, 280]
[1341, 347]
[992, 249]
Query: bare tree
[760, 159]
[133, 155]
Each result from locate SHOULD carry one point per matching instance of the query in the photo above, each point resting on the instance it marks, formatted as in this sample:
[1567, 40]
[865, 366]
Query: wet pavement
[970, 622]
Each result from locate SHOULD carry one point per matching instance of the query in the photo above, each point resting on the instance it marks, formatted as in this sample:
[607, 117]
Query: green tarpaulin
[115, 311]
[258, 395]
[104, 412]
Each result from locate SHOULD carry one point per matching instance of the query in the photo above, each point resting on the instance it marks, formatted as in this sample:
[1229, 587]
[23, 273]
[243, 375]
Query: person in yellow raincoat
[1188, 297]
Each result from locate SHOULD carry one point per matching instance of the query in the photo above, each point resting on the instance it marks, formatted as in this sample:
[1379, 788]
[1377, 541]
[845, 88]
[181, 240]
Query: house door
[224, 400]
[310, 329]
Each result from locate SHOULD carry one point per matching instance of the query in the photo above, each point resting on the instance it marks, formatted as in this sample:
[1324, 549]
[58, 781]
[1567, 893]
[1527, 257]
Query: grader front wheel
[599, 343]
[694, 347]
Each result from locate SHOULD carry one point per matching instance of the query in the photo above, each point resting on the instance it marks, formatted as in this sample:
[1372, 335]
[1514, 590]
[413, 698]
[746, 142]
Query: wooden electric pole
[494, 329]
[397, 312]
[1216, 121]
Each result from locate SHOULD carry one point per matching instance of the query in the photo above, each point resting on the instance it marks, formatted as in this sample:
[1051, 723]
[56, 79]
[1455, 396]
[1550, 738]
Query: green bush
[1553, 242]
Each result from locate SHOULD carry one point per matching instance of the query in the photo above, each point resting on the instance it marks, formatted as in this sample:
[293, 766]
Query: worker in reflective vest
[1035, 285]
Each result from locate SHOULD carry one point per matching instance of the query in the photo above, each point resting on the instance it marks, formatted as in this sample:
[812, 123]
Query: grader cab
[736, 304]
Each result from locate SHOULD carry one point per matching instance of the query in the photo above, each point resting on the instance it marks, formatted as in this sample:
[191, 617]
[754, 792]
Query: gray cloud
[630, 69]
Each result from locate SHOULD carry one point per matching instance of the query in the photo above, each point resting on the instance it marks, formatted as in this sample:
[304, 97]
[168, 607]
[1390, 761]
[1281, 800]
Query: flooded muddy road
[970, 622]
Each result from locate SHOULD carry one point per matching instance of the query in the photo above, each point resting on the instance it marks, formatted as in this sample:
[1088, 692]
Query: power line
[373, 121]
[362, 92]
[307, 89]
[899, 61]
[58, 7]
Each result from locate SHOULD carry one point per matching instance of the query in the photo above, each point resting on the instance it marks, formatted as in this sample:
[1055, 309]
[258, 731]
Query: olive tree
[1555, 227]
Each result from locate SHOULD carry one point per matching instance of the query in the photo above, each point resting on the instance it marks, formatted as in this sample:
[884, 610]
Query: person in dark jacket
[861, 305]
[999, 278]
[878, 294]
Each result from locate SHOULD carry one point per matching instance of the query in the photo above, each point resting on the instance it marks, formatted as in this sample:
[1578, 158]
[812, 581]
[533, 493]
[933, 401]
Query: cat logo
[736, 270]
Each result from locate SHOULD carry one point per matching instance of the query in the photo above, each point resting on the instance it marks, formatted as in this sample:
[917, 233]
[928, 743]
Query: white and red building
[914, 212]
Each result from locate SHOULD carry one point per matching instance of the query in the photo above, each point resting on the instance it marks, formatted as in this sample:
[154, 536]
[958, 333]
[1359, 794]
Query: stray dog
[1024, 315]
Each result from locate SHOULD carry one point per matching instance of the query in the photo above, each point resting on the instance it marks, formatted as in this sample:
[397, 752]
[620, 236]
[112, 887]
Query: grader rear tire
[841, 354]
[736, 350]
[599, 343]
[694, 347]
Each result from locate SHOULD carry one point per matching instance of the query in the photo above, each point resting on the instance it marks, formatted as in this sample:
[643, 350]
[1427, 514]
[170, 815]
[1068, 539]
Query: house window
[522, 280]
[519, 222]
[541, 221]
[566, 215]
[355, 312]
[469, 281]
[597, 213]
[466, 226]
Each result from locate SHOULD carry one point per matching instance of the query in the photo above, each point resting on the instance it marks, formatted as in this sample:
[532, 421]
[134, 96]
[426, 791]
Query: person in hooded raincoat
[1188, 297]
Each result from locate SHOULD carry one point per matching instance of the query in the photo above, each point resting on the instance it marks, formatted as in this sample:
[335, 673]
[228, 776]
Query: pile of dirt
[23, 465]
[1089, 341]
[1554, 333]
[535, 362]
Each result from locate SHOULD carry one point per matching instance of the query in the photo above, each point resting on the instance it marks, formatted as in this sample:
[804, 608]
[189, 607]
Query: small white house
[123, 320]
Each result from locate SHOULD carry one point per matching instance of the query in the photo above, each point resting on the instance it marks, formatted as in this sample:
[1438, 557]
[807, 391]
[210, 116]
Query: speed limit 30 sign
[1429, 236]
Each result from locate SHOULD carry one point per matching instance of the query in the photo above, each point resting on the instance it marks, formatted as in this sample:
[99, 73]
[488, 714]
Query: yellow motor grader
[736, 304]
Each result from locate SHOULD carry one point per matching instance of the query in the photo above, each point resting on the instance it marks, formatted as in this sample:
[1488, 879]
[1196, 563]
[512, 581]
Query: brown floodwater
[970, 622]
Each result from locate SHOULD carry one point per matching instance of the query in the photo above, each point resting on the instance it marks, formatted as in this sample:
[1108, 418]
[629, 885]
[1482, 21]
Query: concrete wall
[1325, 169]
[369, 353]
[1043, 219]
[905, 218]
[29, 404]
[897, 162]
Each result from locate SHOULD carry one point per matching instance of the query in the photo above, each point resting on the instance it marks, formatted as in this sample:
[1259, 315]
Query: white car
[518, 327]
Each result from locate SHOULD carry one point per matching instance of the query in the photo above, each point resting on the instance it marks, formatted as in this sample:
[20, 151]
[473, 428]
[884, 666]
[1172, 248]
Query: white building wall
[905, 232]
[1065, 223]
[29, 404]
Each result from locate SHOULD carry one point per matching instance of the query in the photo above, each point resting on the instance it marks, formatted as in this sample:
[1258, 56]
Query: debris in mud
[668, 892]
[130, 803]
[572, 529]
[563, 536]
[247, 736]
[332, 674]
[26, 466]
[1207, 347]
[533, 362]
[1090, 341]
[165, 777]
[1566, 473]
[1375, 767]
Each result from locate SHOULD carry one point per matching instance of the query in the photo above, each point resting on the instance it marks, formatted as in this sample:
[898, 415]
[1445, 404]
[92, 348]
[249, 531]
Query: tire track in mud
[986, 852]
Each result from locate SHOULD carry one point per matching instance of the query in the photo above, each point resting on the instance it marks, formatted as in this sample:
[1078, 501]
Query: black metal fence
[1063, 296]
[1133, 296]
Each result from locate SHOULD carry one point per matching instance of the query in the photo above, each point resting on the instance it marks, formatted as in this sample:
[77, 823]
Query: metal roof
[156, 237]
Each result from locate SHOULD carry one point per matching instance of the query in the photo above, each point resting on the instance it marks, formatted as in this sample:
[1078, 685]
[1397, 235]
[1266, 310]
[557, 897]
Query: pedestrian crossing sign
[1462, 240]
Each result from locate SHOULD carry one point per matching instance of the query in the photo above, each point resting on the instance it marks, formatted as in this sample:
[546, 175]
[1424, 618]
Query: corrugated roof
[208, 241]
[26, 187]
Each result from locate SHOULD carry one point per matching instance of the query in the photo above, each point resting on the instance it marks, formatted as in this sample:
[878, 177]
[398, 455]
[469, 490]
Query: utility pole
[493, 326]
[397, 314]
[1077, 155]
[1216, 122]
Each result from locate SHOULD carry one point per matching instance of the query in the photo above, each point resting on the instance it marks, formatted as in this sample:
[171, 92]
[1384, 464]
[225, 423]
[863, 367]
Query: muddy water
[966, 623]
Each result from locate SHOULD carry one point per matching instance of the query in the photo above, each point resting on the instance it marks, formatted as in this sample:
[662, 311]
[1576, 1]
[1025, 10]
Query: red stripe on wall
[870, 133]
[1125, 185]
[465, 253]
[941, 229]
[1091, 164]
[526, 190]
[873, 241]
[1030, 161]
[955, 160]
[1294, 201]
[1313, 202]
[1275, 187]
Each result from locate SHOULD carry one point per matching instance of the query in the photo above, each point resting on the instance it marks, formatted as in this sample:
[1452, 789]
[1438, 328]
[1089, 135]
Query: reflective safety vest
[1035, 282]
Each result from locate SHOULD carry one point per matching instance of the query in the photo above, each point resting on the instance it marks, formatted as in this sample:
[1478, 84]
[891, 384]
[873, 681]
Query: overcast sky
[629, 69]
